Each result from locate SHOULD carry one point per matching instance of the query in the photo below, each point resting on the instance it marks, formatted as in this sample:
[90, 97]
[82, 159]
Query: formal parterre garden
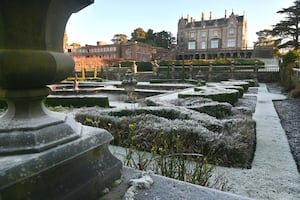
[205, 119]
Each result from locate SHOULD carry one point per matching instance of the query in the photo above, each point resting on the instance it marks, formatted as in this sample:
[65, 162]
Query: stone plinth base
[167, 188]
[80, 169]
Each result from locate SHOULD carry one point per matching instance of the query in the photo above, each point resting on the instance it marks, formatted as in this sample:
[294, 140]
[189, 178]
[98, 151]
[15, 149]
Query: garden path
[274, 173]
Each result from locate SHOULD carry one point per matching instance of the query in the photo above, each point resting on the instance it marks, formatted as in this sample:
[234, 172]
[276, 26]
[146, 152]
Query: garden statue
[134, 67]
[155, 67]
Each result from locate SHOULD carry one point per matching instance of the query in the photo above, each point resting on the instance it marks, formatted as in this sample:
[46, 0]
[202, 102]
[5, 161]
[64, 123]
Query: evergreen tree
[164, 39]
[288, 29]
[266, 38]
[159, 39]
[150, 38]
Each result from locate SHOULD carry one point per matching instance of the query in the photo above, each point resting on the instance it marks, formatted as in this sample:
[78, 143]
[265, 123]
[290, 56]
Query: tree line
[157, 39]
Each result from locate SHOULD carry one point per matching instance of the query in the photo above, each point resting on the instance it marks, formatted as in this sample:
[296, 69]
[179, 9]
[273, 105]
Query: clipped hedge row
[165, 113]
[204, 62]
[77, 101]
[191, 81]
[142, 66]
[218, 110]
[229, 96]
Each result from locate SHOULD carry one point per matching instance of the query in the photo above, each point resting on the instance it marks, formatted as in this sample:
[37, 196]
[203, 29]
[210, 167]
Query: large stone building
[212, 38]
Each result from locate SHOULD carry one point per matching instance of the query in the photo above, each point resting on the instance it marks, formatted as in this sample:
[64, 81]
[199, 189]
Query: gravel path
[289, 114]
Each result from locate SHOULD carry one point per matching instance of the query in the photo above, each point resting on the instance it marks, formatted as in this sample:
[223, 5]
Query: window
[203, 34]
[231, 31]
[231, 43]
[192, 35]
[214, 43]
[203, 45]
[215, 33]
[192, 45]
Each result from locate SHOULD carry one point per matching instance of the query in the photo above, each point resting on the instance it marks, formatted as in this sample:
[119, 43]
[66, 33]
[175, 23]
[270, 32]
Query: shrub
[295, 93]
[167, 157]
[3, 104]
[286, 68]
[144, 66]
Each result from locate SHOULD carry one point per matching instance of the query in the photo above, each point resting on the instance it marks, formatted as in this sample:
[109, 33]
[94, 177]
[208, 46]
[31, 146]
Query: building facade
[102, 55]
[212, 38]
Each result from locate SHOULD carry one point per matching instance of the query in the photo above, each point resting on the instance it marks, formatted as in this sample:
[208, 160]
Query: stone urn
[129, 83]
[44, 155]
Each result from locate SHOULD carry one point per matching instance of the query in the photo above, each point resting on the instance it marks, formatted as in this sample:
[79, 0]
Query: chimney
[202, 16]
[188, 18]
[210, 13]
[225, 14]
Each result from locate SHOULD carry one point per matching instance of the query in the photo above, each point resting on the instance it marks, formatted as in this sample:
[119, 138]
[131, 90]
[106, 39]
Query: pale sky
[103, 19]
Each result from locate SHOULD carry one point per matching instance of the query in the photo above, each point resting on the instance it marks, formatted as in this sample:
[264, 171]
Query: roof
[212, 22]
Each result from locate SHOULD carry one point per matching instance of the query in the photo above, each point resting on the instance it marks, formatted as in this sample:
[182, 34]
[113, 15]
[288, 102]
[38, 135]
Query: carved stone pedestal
[80, 169]
[44, 155]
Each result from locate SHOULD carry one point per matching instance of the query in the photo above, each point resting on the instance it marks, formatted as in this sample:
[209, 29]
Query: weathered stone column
[44, 155]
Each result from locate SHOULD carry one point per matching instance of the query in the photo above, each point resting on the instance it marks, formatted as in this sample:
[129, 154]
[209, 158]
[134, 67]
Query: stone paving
[274, 173]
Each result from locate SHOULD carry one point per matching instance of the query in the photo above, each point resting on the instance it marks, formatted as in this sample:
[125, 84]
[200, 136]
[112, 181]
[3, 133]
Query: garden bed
[228, 141]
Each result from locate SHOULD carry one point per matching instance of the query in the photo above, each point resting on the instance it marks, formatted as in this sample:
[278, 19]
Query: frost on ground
[273, 174]
[144, 182]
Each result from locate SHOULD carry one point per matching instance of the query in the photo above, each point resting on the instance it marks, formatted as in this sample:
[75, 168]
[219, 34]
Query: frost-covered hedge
[215, 93]
[227, 142]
